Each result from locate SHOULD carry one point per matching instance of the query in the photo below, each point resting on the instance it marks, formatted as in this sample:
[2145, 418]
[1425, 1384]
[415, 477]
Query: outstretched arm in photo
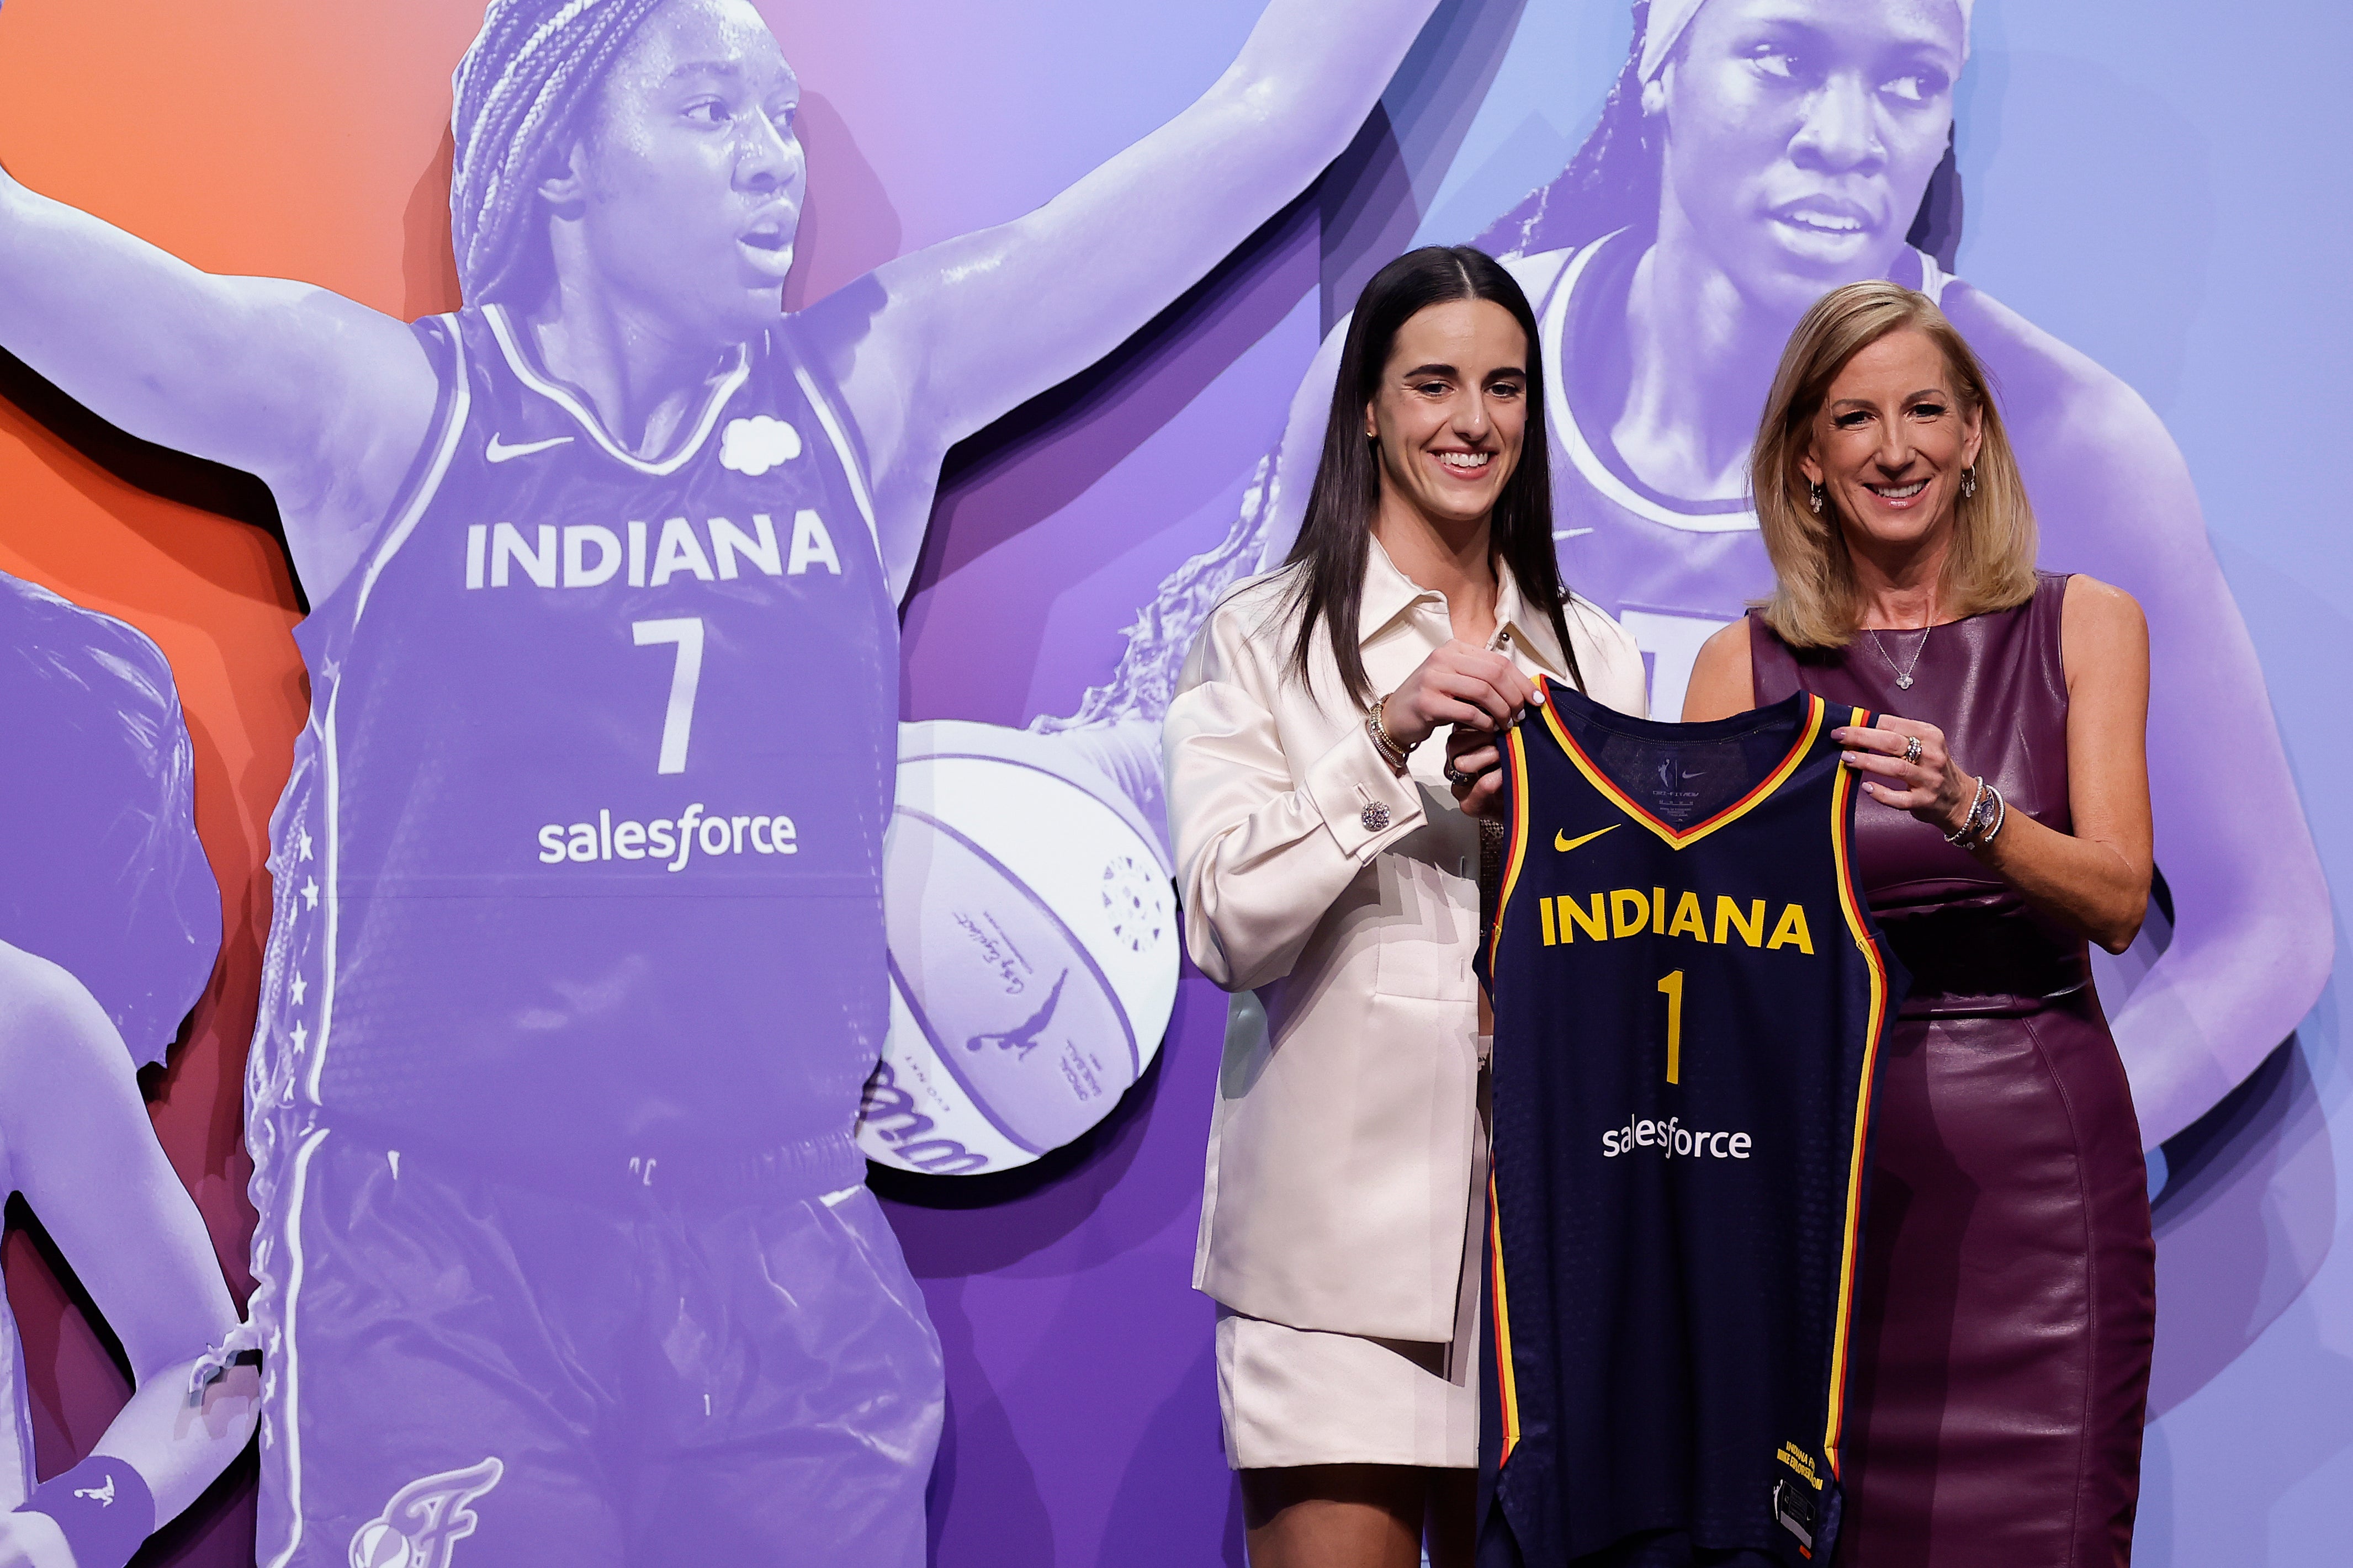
[933, 346]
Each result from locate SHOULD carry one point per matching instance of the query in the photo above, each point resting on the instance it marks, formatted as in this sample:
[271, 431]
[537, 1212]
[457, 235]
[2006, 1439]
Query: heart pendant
[1903, 683]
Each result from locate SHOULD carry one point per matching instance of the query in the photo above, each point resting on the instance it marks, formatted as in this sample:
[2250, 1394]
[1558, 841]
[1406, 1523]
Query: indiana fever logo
[423, 1523]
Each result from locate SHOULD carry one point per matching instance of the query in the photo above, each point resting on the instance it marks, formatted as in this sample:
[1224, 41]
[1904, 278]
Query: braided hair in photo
[522, 94]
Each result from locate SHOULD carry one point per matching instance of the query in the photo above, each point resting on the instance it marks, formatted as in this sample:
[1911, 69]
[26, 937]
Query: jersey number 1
[1672, 987]
[678, 720]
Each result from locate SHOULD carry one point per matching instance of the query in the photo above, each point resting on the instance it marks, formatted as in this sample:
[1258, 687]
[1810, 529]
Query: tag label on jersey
[1795, 1513]
[1797, 1502]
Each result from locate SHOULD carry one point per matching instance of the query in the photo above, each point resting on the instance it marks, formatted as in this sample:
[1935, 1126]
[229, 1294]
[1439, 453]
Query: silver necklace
[1903, 672]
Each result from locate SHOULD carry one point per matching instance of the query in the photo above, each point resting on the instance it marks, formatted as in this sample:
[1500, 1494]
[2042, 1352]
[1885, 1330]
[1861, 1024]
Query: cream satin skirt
[1300, 1396]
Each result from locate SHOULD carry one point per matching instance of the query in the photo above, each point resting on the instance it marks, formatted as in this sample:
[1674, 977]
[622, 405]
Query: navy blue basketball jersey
[582, 851]
[1688, 994]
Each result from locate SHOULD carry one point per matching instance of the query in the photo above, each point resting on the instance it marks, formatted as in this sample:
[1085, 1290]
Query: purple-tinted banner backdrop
[2149, 196]
[2135, 210]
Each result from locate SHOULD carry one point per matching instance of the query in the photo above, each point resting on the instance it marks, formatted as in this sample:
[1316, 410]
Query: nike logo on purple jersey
[498, 451]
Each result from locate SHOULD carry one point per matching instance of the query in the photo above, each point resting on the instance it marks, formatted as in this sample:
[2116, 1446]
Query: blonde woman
[2004, 1314]
[1331, 884]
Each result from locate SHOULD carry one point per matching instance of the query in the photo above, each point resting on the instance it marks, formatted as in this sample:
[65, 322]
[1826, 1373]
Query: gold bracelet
[1397, 757]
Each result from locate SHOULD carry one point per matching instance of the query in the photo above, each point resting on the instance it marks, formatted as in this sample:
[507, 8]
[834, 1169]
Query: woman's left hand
[1475, 755]
[1931, 786]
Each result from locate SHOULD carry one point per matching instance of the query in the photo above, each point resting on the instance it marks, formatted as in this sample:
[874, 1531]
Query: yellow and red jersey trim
[1851, 904]
[1730, 813]
[1516, 849]
[1500, 1302]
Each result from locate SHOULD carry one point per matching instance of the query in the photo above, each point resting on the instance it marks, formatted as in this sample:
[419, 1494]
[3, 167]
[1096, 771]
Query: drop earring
[1968, 481]
[1814, 498]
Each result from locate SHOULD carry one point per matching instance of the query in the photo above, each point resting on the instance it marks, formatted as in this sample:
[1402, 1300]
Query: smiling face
[1800, 135]
[1450, 411]
[687, 188]
[1891, 441]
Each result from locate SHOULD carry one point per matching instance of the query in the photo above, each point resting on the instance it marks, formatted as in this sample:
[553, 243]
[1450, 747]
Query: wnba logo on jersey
[421, 1526]
[589, 555]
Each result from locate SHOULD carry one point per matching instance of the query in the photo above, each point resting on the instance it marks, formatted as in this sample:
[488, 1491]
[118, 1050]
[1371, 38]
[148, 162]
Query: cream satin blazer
[1341, 1149]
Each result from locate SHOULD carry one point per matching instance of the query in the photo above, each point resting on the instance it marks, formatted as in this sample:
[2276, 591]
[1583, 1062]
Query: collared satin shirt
[1340, 904]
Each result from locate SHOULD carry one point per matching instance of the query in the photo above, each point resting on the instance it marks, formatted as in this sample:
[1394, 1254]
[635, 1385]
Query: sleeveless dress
[2006, 1305]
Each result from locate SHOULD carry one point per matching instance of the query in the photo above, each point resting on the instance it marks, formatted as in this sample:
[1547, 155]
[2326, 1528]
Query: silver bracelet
[1965, 835]
[2001, 815]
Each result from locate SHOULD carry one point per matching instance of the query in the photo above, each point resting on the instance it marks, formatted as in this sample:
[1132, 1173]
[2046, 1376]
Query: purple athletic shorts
[594, 1370]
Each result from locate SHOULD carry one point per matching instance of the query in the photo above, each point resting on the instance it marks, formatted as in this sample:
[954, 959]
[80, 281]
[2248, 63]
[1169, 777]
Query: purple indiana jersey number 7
[581, 856]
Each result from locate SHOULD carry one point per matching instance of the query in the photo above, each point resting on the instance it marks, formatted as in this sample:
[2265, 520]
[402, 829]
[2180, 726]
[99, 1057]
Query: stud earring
[1970, 481]
[1814, 498]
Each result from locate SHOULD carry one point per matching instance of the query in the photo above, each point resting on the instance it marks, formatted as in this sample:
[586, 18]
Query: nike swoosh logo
[1564, 843]
[499, 451]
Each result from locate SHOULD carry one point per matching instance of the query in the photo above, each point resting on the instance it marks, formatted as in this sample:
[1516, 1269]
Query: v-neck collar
[566, 399]
[1808, 731]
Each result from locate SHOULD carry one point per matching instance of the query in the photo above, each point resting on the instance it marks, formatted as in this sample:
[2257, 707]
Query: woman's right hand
[1460, 684]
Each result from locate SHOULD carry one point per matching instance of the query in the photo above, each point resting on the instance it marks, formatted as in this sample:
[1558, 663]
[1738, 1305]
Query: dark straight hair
[1337, 536]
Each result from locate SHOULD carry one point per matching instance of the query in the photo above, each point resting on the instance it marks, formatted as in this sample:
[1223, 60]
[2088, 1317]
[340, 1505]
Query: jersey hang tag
[1796, 1510]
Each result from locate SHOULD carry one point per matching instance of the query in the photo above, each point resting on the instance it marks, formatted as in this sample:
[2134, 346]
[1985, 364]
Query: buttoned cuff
[1365, 807]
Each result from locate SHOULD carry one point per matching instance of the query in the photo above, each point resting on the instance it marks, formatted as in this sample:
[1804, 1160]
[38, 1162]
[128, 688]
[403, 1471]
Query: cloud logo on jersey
[423, 1523]
[754, 446]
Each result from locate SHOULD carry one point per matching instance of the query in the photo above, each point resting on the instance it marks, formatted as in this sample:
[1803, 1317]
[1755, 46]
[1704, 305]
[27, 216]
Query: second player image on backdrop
[1752, 155]
[110, 923]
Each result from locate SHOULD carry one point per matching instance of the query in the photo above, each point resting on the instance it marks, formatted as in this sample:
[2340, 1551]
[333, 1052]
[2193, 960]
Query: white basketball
[379, 1545]
[1033, 953]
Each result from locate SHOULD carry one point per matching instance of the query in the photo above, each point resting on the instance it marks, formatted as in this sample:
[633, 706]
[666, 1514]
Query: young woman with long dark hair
[1331, 884]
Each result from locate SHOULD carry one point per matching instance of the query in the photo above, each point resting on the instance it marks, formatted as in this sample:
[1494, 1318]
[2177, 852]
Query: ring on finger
[1912, 749]
[1455, 775]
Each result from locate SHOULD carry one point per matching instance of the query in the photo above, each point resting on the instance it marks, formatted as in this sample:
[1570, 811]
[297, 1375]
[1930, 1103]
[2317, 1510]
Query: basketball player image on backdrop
[1753, 155]
[577, 958]
[110, 921]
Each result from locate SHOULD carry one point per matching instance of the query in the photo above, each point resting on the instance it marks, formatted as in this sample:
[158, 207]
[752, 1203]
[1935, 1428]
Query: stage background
[2160, 184]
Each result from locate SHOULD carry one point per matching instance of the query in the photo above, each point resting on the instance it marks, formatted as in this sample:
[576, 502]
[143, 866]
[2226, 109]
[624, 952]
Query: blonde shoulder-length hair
[1815, 602]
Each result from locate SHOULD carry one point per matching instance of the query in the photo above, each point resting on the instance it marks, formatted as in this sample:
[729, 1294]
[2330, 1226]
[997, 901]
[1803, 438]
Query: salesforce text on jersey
[666, 841]
[1673, 1140]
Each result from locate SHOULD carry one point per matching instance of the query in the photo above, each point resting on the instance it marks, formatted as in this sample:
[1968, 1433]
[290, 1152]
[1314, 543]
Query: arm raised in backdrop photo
[578, 876]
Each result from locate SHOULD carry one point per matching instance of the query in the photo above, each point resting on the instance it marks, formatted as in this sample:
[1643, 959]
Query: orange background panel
[268, 136]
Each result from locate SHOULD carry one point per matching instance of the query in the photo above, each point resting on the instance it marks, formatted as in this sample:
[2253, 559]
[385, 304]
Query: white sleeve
[1264, 844]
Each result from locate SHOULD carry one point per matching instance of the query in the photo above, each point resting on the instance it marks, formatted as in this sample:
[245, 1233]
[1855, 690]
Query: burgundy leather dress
[2004, 1320]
